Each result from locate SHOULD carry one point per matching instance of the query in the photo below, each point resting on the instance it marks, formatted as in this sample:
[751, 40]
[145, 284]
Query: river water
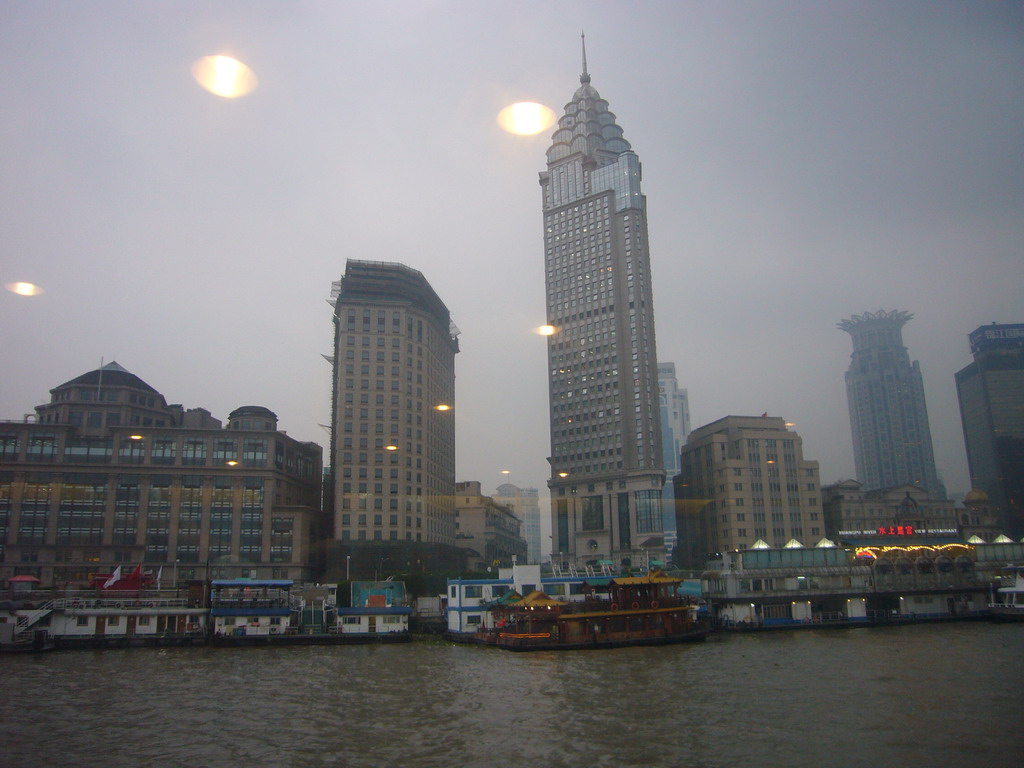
[928, 696]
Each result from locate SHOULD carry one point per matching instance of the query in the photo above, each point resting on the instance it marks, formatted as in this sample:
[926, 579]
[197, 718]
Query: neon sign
[896, 530]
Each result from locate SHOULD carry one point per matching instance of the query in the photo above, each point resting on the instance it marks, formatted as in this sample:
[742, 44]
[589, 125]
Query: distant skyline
[803, 162]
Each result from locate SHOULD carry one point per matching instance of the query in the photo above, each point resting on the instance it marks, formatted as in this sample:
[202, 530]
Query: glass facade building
[606, 458]
[991, 395]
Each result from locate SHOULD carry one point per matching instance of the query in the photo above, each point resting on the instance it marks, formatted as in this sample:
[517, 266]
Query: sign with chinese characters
[896, 530]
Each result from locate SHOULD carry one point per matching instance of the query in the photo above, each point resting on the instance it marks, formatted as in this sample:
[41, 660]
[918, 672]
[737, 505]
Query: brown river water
[928, 696]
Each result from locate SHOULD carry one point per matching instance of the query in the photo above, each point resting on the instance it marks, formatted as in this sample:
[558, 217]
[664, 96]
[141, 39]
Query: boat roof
[538, 599]
[654, 577]
[509, 597]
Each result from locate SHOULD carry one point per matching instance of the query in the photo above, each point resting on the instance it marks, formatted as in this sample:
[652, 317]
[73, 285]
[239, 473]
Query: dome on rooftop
[976, 495]
[112, 375]
[252, 417]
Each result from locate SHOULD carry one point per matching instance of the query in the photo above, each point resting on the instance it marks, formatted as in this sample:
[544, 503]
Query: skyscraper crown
[587, 125]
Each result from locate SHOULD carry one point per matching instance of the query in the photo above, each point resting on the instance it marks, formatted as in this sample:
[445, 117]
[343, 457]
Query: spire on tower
[585, 77]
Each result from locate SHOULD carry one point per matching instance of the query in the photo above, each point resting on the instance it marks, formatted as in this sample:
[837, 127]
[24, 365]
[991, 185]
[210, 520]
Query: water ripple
[913, 696]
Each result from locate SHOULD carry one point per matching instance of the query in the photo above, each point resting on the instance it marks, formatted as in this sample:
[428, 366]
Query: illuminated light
[224, 76]
[546, 330]
[134, 437]
[526, 118]
[506, 471]
[390, 447]
[442, 407]
[24, 289]
[232, 463]
[563, 474]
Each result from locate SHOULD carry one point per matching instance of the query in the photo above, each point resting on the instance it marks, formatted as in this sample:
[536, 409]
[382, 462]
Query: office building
[109, 474]
[606, 461]
[892, 442]
[675, 416]
[991, 395]
[489, 531]
[525, 503]
[392, 432]
[675, 426]
[745, 480]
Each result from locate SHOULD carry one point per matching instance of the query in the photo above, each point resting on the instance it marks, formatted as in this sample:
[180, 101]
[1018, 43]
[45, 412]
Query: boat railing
[249, 602]
[601, 605]
[118, 603]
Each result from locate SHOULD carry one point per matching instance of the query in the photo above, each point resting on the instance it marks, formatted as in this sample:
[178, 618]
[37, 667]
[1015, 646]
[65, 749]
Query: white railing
[118, 603]
[23, 628]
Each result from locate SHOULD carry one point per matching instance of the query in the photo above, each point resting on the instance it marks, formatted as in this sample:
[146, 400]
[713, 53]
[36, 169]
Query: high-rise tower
[892, 443]
[606, 462]
[991, 395]
[675, 416]
[392, 436]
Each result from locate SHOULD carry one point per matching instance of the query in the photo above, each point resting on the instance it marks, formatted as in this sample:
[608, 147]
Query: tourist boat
[1010, 603]
[615, 612]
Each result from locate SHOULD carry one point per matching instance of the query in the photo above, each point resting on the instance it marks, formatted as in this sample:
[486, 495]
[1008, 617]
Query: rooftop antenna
[585, 77]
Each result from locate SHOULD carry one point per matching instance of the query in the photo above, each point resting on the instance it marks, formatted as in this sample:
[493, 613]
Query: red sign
[896, 530]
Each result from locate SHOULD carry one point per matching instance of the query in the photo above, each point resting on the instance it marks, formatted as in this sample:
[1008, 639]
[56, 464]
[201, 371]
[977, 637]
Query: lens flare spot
[224, 76]
[24, 289]
[526, 118]
[546, 330]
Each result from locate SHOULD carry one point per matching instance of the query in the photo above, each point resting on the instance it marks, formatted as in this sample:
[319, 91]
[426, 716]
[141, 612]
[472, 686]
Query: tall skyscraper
[892, 443]
[392, 436]
[606, 461]
[675, 426]
[524, 503]
[991, 395]
[749, 480]
[675, 416]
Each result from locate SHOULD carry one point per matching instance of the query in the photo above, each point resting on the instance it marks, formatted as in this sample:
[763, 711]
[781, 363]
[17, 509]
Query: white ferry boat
[1009, 602]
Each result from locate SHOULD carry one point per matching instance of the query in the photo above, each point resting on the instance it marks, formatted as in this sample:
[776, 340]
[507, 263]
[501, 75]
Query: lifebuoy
[615, 606]
[654, 603]
[636, 605]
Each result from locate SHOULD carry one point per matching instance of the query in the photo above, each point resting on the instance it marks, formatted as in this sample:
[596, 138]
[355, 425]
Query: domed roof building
[110, 474]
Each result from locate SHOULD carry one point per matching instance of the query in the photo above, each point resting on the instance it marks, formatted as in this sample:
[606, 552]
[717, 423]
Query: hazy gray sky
[803, 161]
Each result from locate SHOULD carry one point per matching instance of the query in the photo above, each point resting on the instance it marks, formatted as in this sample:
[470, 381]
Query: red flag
[134, 579]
